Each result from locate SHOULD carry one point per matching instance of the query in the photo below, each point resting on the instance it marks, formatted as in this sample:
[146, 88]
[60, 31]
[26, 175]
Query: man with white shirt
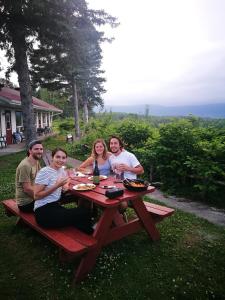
[123, 161]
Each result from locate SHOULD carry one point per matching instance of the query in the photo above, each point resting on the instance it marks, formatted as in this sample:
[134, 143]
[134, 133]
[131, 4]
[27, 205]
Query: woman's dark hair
[58, 149]
[119, 140]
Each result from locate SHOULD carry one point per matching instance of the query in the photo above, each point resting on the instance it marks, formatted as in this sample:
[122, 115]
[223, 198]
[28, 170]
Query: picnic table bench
[71, 241]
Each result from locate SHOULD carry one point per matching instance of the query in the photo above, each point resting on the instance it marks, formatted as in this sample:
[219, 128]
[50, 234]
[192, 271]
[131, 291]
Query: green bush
[187, 155]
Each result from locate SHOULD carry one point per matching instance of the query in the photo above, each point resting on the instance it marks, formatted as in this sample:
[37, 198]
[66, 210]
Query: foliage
[62, 45]
[74, 58]
[185, 154]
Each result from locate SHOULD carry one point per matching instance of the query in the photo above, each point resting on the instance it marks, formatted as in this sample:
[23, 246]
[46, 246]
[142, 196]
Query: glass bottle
[96, 174]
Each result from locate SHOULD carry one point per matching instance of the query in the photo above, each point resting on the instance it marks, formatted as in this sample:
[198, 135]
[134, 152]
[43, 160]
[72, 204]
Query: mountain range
[216, 110]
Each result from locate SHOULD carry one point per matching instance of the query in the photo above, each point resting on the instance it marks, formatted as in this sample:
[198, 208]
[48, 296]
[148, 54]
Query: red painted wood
[146, 219]
[166, 209]
[70, 239]
[124, 230]
[100, 234]
[118, 219]
[110, 226]
[98, 194]
[158, 210]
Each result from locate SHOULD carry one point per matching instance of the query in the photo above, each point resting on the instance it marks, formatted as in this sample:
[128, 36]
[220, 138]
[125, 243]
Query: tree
[14, 33]
[28, 24]
[72, 64]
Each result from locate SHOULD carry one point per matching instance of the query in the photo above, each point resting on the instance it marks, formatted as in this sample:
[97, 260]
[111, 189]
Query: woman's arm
[87, 163]
[40, 190]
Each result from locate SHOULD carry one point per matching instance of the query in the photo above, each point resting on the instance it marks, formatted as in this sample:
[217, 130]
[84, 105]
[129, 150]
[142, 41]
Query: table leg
[88, 261]
[146, 219]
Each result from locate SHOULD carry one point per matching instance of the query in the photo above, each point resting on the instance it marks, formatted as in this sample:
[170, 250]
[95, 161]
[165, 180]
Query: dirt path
[212, 214]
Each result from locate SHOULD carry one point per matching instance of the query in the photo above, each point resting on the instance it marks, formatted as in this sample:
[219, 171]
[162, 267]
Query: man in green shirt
[25, 175]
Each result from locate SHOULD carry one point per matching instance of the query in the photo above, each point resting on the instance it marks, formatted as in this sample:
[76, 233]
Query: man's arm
[136, 170]
[28, 189]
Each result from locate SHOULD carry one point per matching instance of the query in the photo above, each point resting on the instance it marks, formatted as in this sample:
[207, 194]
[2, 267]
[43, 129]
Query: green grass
[187, 263]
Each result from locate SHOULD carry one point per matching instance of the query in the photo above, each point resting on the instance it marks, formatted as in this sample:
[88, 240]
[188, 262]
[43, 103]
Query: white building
[11, 119]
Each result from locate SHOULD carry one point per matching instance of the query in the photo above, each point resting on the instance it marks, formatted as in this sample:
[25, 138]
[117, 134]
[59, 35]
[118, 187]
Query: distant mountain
[205, 110]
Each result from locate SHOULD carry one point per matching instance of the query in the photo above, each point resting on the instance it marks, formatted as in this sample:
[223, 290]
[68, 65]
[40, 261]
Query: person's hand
[61, 181]
[123, 167]
[66, 185]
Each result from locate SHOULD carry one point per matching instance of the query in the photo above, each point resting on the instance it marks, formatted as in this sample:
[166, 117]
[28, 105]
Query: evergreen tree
[72, 64]
[49, 26]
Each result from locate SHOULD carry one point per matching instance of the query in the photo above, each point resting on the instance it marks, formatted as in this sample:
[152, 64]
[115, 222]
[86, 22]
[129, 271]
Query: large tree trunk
[85, 108]
[76, 110]
[20, 48]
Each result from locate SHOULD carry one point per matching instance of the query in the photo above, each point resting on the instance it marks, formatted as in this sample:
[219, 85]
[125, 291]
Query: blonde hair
[94, 154]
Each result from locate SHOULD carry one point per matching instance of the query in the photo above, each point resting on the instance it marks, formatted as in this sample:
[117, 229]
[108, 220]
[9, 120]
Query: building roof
[11, 98]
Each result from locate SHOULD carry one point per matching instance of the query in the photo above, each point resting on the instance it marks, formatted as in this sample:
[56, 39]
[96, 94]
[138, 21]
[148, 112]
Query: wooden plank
[69, 239]
[159, 210]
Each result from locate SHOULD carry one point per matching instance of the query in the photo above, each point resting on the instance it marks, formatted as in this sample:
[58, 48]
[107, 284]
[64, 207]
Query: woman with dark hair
[101, 154]
[47, 192]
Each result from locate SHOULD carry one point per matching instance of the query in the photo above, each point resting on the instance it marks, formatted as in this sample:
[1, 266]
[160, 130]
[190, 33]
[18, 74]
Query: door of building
[8, 126]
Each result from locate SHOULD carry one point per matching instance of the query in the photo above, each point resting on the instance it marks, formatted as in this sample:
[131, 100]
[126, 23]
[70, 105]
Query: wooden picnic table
[111, 226]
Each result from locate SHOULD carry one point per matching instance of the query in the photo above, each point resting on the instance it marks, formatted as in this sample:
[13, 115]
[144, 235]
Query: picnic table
[111, 225]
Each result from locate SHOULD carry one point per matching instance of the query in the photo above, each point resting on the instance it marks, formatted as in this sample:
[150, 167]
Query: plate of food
[136, 184]
[84, 187]
[101, 177]
[79, 174]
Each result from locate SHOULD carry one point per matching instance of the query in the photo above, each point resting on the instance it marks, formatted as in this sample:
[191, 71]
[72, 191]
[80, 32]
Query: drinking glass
[118, 174]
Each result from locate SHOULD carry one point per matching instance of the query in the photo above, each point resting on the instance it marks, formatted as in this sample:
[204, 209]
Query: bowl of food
[136, 185]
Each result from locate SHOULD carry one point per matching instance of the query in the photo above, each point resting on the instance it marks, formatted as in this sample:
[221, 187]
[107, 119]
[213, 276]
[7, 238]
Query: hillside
[207, 110]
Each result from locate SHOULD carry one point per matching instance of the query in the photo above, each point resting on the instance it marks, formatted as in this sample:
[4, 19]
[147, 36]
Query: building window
[19, 118]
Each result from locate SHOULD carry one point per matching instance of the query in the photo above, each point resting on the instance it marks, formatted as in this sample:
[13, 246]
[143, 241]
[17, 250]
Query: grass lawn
[187, 263]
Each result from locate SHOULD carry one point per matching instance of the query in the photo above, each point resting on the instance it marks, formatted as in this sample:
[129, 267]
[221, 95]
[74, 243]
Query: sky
[167, 52]
[164, 52]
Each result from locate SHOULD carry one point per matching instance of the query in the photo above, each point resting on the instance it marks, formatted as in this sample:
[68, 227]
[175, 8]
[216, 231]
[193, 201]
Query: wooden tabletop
[97, 195]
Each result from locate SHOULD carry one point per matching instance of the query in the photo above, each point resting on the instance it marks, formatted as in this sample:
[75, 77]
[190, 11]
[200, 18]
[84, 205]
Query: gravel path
[212, 214]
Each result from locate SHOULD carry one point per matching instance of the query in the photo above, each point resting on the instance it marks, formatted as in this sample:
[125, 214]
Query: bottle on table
[96, 174]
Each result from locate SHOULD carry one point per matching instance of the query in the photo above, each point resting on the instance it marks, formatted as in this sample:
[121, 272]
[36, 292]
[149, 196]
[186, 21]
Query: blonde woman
[101, 154]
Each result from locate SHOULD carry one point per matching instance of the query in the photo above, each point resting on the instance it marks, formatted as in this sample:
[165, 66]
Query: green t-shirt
[25, 172]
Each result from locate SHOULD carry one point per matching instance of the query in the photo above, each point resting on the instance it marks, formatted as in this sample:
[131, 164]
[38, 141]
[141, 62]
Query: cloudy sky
[165, 52]
[169, 52]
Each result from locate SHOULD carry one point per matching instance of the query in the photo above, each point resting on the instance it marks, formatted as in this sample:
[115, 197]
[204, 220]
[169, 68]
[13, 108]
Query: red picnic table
[111, 226]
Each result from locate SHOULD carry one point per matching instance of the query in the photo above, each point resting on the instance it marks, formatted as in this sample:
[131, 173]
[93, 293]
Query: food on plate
[137, 184]
[101, 177]
[84, 187]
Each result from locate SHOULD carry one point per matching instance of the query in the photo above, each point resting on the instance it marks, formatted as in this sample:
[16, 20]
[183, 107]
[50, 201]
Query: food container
[136, 185]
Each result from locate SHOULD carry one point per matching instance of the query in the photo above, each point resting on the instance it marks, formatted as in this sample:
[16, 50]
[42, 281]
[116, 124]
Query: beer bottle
[96, 173]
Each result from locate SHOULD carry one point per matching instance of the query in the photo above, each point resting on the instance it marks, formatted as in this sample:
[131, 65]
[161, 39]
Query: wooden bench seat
[158, 212]
[68, 239]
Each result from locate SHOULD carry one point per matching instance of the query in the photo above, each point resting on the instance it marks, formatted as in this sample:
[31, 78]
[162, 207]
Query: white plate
[79, 174]
[84, 187]
[101, 177]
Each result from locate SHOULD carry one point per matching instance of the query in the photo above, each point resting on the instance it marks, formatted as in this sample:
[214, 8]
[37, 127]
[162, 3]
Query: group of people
[40, 189]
